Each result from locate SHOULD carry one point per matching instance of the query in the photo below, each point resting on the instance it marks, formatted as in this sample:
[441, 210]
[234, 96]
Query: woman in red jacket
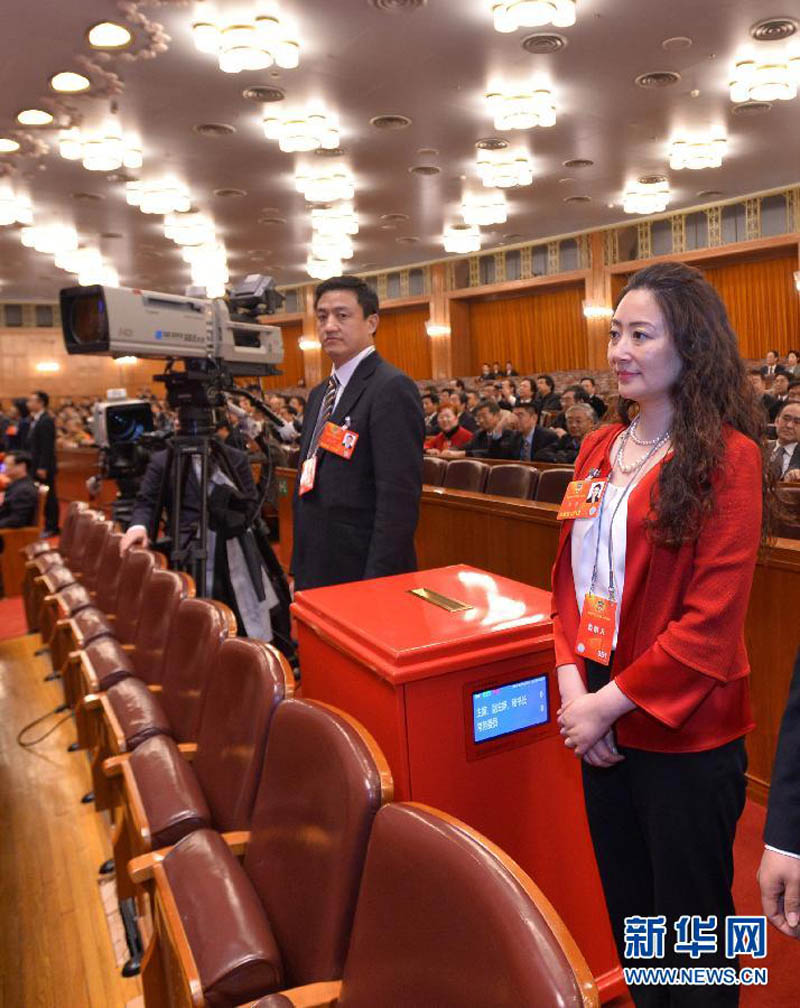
[649, 599]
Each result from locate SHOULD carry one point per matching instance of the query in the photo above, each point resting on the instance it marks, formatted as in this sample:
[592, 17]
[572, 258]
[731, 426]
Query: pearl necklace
[636, 466]
[643, 444]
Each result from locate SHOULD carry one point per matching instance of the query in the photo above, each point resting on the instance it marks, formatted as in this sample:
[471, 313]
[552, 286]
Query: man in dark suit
[580, 420]
[547, 399]
[532, 439]
[784, 459]
[41, 443]
[494, 439]
[780, 395]
[772, 365]
[779, 873]
[355, 512]
[21, 498]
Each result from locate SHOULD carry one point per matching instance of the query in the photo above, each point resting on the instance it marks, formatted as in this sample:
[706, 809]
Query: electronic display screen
[510, 708]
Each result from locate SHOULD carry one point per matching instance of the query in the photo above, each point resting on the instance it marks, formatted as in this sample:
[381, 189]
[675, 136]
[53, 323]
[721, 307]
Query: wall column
[598, 293]
[315, 363]
[440, 341]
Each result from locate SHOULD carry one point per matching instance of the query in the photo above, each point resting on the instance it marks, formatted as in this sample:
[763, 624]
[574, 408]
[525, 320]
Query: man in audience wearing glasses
[494, 439]
[785, 458]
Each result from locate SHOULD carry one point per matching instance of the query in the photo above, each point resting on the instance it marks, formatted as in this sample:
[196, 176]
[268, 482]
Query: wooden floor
[55, 949]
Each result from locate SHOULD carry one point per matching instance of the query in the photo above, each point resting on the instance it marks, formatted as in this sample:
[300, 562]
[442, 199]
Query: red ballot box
[452, 671]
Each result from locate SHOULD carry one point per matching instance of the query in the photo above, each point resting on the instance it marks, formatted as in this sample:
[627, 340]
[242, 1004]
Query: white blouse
[584, 544]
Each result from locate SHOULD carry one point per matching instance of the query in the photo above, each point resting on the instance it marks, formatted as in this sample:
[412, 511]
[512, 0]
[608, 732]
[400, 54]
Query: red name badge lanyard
[599, 615]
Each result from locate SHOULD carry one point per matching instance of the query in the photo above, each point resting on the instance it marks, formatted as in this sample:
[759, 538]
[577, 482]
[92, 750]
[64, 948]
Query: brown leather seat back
[249, 681]
[78, 550]
[162, 592]
[466, 474]
[445, 918]
[59, 577]
[788, 524]
[137, 565]
[511, 481]
[67, 537]
[433, 470]
[95, 548]
[553, 485]
[198, 629]
[324, 779]
[108, 574]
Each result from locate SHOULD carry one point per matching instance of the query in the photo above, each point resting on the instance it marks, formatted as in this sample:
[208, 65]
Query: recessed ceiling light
[108, 35]
[676, 42]
[578, 163]
[87, 197]
[230, 192]
[774, 29]
[407, 240]
[568, 178]
[271, 220]
[751, 108]
[388, 227]
[427, 152]
[390, 121]
[330, 151]
[397, 6]
[8, 146]
[34, 117]
[424, 169]
[270, 211]
[264, 93]
[214, 129]
[394, 218]
[543, 43]
[710, 194]
[577, 199]
[68, 82]
[491, 143]
[657, 79]
[651, 179]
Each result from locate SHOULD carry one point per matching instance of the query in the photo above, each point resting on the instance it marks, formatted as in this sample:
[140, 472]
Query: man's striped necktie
[324, 414]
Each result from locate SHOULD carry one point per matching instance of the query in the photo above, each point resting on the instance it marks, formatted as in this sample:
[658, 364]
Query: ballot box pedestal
[452, 672]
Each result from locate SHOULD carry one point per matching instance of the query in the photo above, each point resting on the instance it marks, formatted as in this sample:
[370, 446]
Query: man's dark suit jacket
[551, 403]
[775, 407]
[483, 445]
[782, 829]
[20, 504]
[149, 491]
[779, 369]
[42, 445]
[564, 450]
[794, 461]
[542, 439]
[359, 520]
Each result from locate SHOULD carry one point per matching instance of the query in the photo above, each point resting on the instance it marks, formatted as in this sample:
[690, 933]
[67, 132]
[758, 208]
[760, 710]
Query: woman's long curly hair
[713, 389]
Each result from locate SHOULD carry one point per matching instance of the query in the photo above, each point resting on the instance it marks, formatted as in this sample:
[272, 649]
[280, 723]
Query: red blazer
[680, 653]
[457, 439]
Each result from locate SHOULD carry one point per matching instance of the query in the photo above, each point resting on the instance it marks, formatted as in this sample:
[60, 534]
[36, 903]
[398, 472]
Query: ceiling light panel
[698, 151]
[251, 41]
[514, 108]
[34, 117]
[8, 146]
[303, 131]
[766, 78]
[68, 82]
[504, 169]
[14, 207]
[108, 35]
[321, 269]
[646, 197]
[462, 239]
[484, 208]
[102, 149]
[325, 183]
[158, 196]
[513, 14]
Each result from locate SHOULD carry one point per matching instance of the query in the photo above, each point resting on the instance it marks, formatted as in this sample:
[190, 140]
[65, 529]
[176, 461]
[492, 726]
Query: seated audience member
[532, 439]
[460, 386]
[589, 386]
[21, 497]
[298, 404]
[759, 387]
[572, 394]
[780, 394]
[451, 434]
[459, 401]
[772, 364]
[785, 458]
[473, 401]
[486, 372]
[580, 420]
[793, 394]
[497, 371]
[509, 371]
[547, 400]
[793, 364]
[494, 439]
[508, 394]
[430, 407]
[524, 392]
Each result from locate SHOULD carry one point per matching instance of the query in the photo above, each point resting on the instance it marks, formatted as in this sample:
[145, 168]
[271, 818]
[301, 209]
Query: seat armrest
[188, 750]
[155, 688]
[128, 648]
[112, 765]
[141, 868]
[115, 736]
[91, 701]
[316, 995]
[237, 840]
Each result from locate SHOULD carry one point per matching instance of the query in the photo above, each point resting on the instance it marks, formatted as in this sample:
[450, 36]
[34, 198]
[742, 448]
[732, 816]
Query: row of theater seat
[256, 830]
[512, 480]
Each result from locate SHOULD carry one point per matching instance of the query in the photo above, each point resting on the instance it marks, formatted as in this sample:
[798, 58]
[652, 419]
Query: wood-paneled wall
[292, 366]
[402, 340]
[22, 349]
[540, 331]
[759, 293]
